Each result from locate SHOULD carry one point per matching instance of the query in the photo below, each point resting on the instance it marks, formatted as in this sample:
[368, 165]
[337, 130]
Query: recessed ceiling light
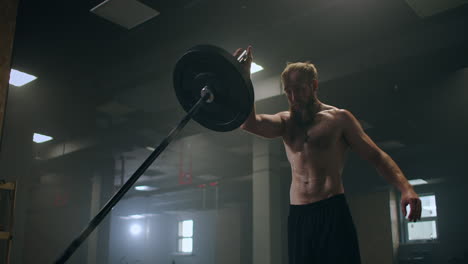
[150, 148]
[18, 78]
[255, 68]
[145, 188]
[417, 182]
[136, 216]
[126, 13]
[38, 138]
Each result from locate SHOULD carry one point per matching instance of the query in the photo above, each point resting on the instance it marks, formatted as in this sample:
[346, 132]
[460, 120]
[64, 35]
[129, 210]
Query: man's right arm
[268, 126]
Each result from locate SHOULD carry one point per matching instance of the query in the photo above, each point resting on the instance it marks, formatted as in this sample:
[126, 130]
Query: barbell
[212, 87]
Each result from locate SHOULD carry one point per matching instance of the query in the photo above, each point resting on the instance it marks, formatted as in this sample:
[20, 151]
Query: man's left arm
[363, 145]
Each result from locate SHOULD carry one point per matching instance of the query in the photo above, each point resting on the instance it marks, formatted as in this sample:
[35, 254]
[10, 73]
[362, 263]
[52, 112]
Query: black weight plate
[233, 92]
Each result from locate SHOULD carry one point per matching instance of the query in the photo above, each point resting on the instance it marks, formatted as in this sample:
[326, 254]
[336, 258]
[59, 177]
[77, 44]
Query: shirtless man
[316, 138]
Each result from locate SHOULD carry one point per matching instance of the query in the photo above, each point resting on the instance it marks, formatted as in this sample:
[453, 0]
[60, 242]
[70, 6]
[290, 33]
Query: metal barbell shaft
[113, 201]
[242, 57]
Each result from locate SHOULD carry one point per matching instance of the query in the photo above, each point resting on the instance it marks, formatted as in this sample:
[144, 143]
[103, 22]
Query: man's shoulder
[344, 118]
[334, 111]
[342, 113]
[340, 116]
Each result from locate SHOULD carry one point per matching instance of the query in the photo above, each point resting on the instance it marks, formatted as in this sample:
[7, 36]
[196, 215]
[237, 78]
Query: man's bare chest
[321, 135]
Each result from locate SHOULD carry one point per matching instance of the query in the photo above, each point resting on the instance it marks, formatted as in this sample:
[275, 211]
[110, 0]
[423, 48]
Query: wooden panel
[7, 186]
[7, 31]
[4, 235]
[372, 217]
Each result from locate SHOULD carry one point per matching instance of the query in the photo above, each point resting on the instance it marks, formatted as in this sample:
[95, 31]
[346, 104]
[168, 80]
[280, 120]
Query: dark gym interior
[104, 95]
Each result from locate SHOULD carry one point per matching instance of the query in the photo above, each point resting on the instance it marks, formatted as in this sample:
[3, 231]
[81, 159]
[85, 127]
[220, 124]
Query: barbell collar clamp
[207, 94]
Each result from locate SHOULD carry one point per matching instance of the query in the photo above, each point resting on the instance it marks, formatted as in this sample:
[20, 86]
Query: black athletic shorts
[322, 232]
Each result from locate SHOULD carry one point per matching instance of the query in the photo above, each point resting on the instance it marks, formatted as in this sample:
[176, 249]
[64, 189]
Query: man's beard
[298, 114]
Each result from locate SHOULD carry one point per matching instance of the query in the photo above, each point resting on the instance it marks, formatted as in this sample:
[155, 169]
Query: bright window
[426, 228]
[423, 230]
[185, 240]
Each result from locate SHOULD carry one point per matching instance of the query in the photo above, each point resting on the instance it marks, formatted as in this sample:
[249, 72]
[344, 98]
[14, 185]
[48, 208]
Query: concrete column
[266, 196]
[374, 216]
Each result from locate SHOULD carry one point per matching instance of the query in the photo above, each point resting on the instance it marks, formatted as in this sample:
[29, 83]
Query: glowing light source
[135, 229]
[186, 245]
[255, 68]
[186, 228]
[136, 216]
[38, 138]
[185, 236]
[18, 78]
[150, 148]
[417, 182]
[145, 188]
